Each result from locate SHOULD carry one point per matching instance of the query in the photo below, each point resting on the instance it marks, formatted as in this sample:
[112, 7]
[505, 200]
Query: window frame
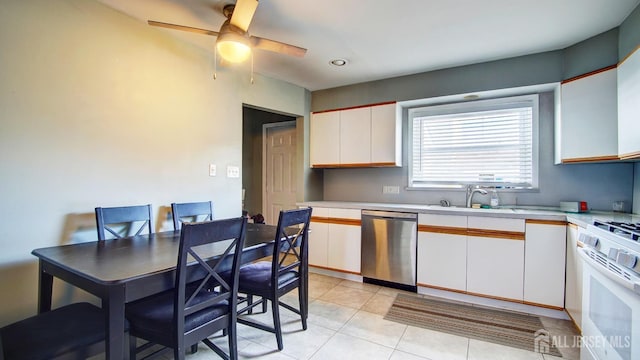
[471, 106]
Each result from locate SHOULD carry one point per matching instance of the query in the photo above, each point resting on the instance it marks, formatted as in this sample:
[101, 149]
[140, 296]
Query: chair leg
[249, 303]
[132, 347]
[178, 353]
[264, 305]
[233, 342]
[275, 309]
[302, 302]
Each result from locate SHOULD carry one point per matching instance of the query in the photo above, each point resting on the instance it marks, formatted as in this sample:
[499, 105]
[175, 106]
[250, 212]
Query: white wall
[99, 109]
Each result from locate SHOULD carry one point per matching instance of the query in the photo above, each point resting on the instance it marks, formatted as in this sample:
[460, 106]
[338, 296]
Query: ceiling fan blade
[276, 46]
[183, 28]
[243, 13]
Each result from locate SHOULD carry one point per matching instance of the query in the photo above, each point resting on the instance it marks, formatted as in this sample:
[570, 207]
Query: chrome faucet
[471, 189]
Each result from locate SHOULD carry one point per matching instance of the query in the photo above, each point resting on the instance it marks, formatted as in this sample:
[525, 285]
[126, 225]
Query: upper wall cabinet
[369, 136]
[629, 107]
[324, 143]
[587, 128]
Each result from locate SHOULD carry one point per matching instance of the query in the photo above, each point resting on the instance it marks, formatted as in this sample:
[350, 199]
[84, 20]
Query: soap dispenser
[495, 200]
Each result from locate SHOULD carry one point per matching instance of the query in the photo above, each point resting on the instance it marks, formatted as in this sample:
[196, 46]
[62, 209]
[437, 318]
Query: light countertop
[518, 212]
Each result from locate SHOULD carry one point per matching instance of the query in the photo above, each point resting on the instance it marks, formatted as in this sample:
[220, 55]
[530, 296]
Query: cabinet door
[318, 243]
[324, 138]
[344, 248]
[588, 125]
[495, 267]
[355, 136]
[573, 301]
[442, 260]
[628, 108]
[386, 135]
[545, 247]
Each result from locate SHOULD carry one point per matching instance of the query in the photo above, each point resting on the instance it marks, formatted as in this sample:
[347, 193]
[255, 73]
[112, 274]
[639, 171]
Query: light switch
[212, 169]
[390, 189]
[233, 172]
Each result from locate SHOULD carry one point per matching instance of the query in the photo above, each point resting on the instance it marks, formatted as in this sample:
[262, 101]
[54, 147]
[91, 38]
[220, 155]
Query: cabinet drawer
[456, 221]
[344, 213]
[501, 224]
[320, 212]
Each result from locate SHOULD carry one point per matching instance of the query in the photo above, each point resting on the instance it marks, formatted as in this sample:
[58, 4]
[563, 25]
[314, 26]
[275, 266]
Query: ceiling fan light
[233, 47]
[232, 51]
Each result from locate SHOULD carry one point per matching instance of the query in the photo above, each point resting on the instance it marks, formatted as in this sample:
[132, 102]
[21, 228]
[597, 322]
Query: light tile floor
[346, 322]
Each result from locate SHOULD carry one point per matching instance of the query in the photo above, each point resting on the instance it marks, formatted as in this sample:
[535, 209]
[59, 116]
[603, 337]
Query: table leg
[113, 306]
[45, 289]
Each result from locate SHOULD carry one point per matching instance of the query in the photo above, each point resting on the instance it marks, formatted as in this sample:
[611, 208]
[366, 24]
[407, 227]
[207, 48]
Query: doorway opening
[269, 180]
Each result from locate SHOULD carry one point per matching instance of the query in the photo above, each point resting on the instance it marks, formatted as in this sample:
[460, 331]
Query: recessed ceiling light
[338, 62]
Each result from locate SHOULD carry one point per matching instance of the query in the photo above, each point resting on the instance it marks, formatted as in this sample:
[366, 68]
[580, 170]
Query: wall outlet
[233, 172]
[390, 189]
[212, 169]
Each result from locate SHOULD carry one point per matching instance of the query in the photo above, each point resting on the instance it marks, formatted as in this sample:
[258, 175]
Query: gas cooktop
[626, 230]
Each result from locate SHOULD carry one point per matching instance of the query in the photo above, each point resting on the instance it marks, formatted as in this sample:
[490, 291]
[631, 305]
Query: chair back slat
[200, 249]
[290, 245]
[191, 212]
[125, 218]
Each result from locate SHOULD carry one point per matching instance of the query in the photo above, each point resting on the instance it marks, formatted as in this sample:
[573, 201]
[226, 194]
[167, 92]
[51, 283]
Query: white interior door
[279, 180]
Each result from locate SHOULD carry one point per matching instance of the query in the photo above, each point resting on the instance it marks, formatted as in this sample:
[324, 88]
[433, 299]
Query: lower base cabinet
[495, 267]
[318, 243]
[544, 272]
[334, 239]
[573, 293]
[442, 260]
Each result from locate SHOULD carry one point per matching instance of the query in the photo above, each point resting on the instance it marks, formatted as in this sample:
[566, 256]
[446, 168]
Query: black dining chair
[287, 270]
[74, 331]
[123, 221]
[191, 212]
[191, 312]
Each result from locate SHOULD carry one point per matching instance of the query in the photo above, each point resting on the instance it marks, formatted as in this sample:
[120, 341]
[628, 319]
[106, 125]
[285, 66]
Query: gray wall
[598, 184]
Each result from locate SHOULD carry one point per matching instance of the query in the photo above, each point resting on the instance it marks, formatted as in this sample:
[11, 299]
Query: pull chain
[215, 62]
[252, 68]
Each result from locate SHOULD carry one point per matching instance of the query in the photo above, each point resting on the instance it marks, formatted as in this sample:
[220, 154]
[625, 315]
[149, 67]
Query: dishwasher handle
[390, 214]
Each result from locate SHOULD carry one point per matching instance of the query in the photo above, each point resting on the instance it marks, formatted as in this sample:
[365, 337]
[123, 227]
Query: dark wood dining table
[123, 270]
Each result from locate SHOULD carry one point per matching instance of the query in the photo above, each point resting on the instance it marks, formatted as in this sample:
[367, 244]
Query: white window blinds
[487, 142]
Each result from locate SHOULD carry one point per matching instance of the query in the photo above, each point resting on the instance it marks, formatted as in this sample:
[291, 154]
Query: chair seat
[54, 333]
[155, 313]
[255, 278]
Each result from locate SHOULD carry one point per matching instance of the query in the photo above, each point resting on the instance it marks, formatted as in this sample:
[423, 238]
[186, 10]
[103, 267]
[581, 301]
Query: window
[488, 142]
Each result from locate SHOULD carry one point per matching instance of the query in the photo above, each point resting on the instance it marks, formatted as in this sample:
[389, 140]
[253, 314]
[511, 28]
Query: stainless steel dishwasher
[389, 248]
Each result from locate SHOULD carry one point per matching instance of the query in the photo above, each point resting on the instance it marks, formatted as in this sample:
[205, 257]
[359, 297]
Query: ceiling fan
[234, 43]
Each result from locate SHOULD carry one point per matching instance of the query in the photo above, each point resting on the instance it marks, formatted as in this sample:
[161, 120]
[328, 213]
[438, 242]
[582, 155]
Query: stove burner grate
[630, 231]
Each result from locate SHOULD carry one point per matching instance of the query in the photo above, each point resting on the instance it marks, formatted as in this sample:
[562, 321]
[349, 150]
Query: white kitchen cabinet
[369, 136]
[588, 125]
[319, 237]
[344, 239]
[544, 271]
[344, 248]
[629, 107]
[324, 138]
[442, 251]
[334, 239]
[495, 267]
[495, 257]
[386, 135]
[573, 292]
[355, 136]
